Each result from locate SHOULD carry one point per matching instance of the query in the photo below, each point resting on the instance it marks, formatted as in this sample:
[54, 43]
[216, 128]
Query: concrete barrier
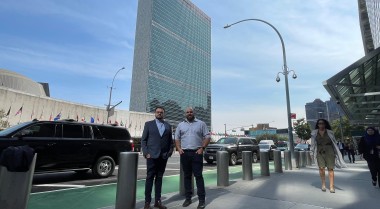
[222, 163]
[288, 160]
[277, 161]
[264, 163]
[15, 187]
[127, 180]
[247, 165]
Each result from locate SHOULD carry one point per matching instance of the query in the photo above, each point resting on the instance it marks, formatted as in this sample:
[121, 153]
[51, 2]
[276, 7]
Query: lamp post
[109, 100]
[285, 72]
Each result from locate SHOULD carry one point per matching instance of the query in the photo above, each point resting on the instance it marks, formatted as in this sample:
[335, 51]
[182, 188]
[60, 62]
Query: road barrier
[264, 163]
[15, 187]
[308, 158]
[127, 180]
[277, 161]
[288, 160]
[297, 158]
[247, 165]
[302, 159]
[222, 168]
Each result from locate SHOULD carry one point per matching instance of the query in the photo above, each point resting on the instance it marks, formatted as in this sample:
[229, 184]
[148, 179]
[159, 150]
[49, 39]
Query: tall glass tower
[172, 60]
[369, 16]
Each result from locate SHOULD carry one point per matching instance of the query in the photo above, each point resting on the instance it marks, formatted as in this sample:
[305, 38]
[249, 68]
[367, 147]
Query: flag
[42, 113]
[293, 116]
[97, 119]
[31, 115]
[9, 111]
[121, 123]
[19, 111]
[51, 116]
[92, 120]
[77, 117]
[83, 119]
[57, 117]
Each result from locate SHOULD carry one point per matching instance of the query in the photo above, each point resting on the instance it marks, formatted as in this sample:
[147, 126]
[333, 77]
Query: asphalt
[292, 189]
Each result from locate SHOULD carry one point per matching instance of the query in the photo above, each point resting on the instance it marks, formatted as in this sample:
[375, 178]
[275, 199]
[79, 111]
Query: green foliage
[347, 128]
[3, 120]
[303, 130]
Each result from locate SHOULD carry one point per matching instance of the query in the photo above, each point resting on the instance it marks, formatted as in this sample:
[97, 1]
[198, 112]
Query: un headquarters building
[172, 60]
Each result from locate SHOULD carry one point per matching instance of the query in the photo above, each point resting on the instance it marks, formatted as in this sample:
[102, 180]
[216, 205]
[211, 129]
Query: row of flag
[59, 116]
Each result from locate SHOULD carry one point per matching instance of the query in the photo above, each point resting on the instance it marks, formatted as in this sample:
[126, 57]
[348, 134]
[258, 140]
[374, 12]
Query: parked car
[234, 146]
[271, 142]
[70, 145]
[302, 147]
[282, 145]
[268, 148]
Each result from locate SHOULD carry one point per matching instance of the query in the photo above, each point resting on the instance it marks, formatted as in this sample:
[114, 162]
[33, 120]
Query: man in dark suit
[157, 147]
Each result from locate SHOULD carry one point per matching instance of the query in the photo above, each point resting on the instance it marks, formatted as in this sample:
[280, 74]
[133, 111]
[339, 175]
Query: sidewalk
[296, 189]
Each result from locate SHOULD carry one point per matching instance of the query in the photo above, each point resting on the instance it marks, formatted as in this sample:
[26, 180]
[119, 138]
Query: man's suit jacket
[153, 143]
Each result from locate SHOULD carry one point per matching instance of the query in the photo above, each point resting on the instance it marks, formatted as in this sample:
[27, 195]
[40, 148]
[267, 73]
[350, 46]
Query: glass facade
[172, 61]
[369, 16]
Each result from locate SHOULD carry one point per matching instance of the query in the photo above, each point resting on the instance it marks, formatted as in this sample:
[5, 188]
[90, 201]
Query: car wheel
[233, 159]
[254, 157]
[103, 167]
[209, 161]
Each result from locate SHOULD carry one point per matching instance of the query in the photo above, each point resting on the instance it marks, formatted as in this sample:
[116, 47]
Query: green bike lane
[94, 197]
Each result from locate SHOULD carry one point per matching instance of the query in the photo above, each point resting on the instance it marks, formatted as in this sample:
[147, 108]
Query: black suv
[70, 145]
[234, 146]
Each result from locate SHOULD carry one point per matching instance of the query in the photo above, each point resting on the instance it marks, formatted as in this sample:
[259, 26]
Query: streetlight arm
[274, 28]
[109, 100]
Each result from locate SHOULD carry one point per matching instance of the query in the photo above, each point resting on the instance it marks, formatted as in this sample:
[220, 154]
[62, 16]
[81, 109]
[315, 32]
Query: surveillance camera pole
[285, 73]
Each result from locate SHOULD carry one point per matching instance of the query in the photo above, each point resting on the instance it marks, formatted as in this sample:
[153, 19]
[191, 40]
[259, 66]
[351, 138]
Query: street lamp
[109, 101]
[285, 72]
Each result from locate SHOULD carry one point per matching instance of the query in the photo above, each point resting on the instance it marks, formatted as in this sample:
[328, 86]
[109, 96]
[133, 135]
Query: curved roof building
[15, 81]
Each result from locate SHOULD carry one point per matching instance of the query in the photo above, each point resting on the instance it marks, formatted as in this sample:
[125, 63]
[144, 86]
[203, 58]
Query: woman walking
[326, 152]
[369, 147]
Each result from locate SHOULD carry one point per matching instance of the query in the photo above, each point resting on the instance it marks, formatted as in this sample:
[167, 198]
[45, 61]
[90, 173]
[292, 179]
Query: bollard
[277, 161]
[297, 158]
[302, 159]
[15, 187]
[308, 158]
[264, 163]
[127, 180]
[247, 165]
[288, 160]
[222, 168]
[182, 190]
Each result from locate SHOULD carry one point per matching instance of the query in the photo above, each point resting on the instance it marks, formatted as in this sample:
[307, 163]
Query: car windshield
[9, 130]
[226, 141]
[282, 145]
[264, 146]
[302, 146]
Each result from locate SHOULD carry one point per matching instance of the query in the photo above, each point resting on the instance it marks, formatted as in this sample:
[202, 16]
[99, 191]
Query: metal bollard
[222, 168]
[182, 190]
[264, 163]
[277, 161]
[302, 159]
[297, 158]
[288, 160]
[127, 180]
[308, 158]
[15, 187]
[247, 165]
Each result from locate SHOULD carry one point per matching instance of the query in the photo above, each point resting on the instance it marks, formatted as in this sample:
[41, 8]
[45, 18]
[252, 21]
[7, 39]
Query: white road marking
[61, 185]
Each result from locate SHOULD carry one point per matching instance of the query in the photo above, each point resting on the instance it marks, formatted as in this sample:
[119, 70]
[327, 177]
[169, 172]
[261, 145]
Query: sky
[77, 46]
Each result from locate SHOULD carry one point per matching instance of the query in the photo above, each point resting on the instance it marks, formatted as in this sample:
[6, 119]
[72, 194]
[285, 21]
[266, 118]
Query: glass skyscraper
[369, 16]
[172, 60]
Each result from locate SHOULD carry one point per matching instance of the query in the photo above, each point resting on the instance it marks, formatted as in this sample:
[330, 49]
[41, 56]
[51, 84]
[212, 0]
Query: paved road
[67, 180]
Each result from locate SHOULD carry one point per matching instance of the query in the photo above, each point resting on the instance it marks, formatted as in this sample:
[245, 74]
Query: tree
[347, 128]
[303, 130]
[3, 120]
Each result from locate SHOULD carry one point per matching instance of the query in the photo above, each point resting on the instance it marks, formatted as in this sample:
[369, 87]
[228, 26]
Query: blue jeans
[192, 163]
